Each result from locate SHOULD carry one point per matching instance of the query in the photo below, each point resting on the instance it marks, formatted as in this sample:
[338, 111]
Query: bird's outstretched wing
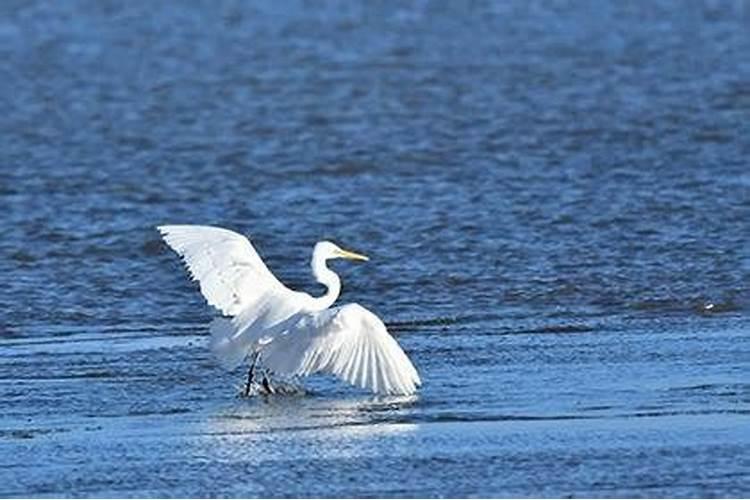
[231, 274]
[349, 342]
[233, 279]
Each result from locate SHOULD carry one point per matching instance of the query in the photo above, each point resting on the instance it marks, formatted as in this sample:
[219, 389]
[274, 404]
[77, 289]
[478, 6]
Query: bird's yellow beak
[346, 254]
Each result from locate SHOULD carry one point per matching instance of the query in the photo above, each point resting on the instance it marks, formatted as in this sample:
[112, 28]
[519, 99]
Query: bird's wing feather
[234, 279]
[349, 342]
[231, 274]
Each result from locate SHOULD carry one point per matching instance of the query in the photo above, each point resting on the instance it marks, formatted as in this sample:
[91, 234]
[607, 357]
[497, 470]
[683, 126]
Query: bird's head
[325, 250]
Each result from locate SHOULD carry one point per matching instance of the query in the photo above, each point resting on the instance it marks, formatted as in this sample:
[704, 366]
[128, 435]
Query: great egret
[292, 333]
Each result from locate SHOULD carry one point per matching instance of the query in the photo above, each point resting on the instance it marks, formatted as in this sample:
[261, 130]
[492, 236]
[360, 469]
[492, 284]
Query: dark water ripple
[555, 197]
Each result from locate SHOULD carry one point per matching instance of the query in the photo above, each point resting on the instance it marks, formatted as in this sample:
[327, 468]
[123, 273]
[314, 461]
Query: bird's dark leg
[250, 374]
[267, 384]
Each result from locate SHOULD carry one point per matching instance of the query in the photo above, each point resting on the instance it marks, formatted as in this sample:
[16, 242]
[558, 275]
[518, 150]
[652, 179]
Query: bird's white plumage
[295, 333]
[231, 274]
[233, 279]
[349, 342]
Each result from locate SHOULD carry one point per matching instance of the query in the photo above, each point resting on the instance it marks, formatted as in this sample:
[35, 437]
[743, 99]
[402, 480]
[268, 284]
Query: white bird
[292, 333]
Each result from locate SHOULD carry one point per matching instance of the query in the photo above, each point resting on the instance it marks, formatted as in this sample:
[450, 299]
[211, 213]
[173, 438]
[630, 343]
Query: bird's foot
[266, 384]
[253, 387]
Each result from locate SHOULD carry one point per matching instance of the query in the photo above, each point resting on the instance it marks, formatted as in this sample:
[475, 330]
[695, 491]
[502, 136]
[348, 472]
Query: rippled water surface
[555, 197]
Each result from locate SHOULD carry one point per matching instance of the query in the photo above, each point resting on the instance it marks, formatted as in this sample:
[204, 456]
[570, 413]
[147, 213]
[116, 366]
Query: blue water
[555, 197]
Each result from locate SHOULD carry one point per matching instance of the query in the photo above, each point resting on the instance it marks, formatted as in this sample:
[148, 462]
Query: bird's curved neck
[328, 278]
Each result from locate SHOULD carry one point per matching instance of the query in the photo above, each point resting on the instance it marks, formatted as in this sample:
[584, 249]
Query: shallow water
[555, 197]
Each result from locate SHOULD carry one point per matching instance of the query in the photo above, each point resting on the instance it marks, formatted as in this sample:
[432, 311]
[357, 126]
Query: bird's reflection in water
[300, 409]
[271, 427]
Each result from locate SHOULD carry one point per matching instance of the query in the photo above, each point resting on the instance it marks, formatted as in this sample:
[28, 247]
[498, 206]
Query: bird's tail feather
[228, 347]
